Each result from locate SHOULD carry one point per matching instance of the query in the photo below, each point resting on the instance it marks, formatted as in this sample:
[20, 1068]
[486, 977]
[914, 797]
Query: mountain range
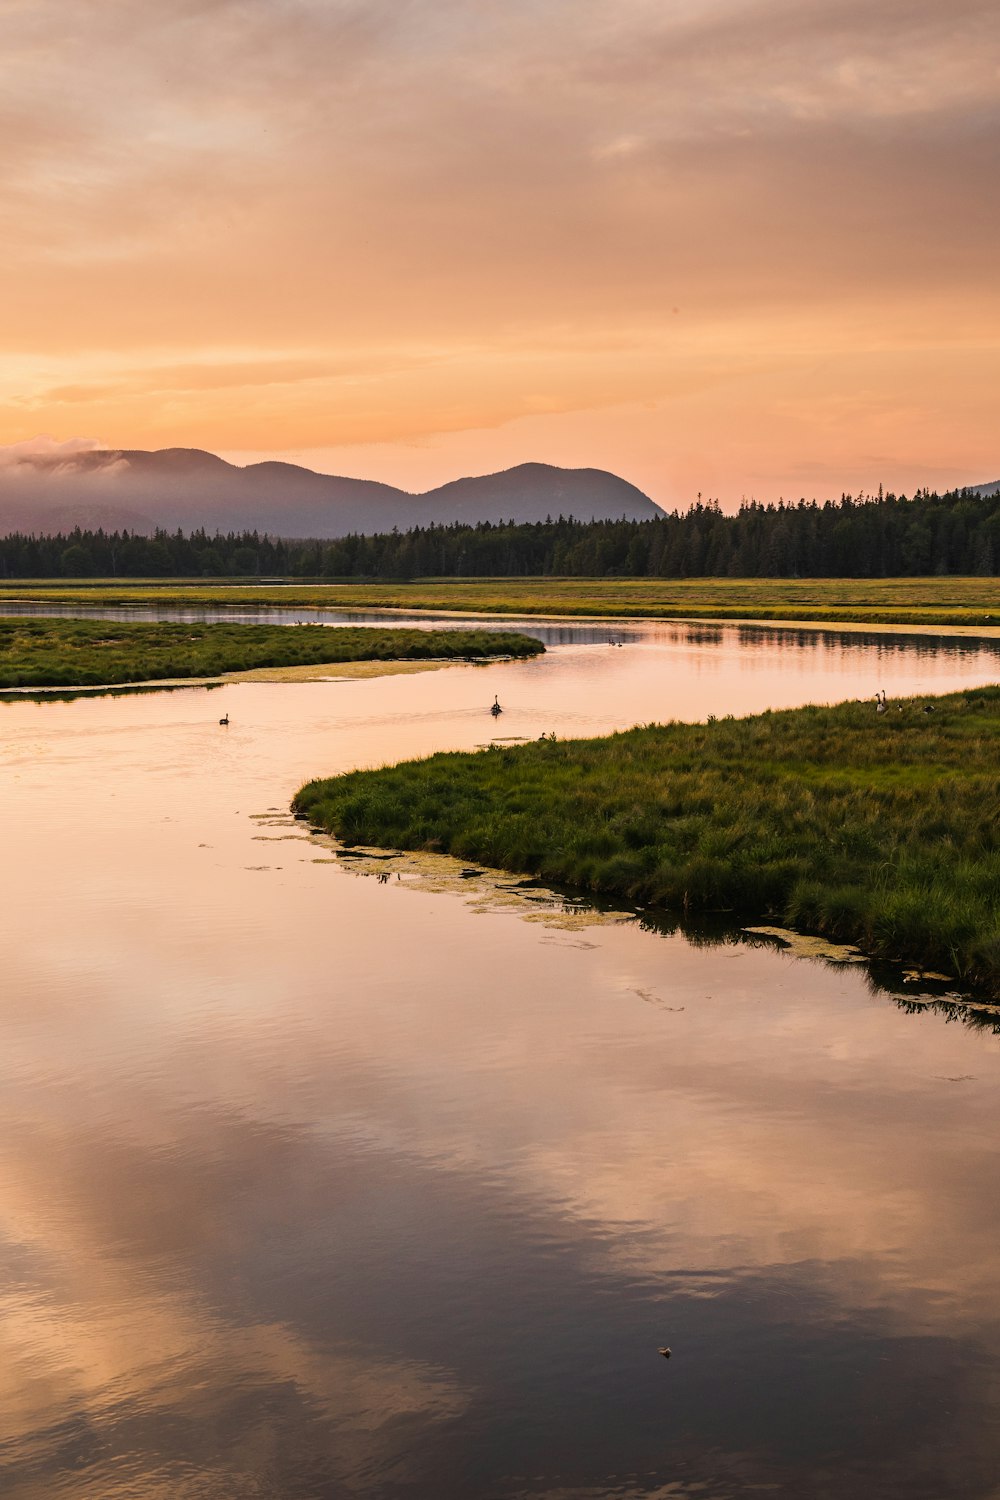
[189, 488]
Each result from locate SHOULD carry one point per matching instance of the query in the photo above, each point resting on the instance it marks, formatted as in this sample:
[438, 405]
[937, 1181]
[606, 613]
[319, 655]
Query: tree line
[864, 536]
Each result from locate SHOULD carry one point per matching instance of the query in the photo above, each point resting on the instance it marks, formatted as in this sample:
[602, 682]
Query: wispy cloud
[45, 451]
[353, 178]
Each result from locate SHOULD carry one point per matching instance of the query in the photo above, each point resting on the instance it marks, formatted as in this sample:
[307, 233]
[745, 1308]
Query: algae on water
[878, 833]
[802, 945]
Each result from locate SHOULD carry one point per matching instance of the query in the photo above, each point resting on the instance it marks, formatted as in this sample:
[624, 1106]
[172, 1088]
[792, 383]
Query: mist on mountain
[50, 487]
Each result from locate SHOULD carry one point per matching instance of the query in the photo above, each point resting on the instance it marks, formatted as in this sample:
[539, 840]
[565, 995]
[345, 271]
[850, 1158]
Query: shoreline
[344, 671]
[826, 821]
[46, 652]
[551, 616]
[760, 622]
[496, 890]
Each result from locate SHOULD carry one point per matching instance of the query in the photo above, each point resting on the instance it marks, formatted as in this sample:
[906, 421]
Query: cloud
[45, 452]
[340, 180]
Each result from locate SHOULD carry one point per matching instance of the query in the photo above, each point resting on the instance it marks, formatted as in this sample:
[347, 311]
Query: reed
[882, 830]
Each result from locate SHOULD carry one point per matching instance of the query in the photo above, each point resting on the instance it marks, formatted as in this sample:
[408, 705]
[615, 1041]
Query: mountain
[985, 489]
[188, 488]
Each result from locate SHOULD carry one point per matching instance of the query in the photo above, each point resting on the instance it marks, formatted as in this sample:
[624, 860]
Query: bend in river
[320, 1186]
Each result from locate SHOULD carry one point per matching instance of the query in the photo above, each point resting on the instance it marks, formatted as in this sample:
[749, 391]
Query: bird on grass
[880, 707]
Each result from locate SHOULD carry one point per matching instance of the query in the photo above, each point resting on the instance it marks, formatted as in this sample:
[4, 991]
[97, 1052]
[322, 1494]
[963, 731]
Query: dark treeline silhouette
[124, 554]
[868, 536]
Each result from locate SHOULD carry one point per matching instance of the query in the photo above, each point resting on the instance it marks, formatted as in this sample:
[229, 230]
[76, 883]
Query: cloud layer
[717, 246]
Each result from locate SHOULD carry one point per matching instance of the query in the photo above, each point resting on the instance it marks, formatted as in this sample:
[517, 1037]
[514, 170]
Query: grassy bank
[877, 601]
[883, 830]
[78, 653]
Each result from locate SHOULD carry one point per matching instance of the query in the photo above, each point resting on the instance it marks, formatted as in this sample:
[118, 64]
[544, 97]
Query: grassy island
[81, 653]
[877, 829]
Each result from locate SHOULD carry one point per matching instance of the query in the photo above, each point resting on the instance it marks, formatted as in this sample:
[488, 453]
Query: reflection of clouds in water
[110, 1323]
[687, 1132]
[150, 1357]
[311, 1177]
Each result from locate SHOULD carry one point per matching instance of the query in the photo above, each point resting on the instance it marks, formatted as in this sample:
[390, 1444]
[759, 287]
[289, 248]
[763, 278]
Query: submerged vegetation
[881, 829]
[79, 653]
[876, 601]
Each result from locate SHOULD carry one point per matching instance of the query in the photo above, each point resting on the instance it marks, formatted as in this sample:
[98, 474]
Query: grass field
[882, 830]
[80, 653]
[886, 601]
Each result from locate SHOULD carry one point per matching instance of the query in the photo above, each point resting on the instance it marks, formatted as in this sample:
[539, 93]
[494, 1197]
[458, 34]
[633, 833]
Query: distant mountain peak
[190, 488]
[171, 460]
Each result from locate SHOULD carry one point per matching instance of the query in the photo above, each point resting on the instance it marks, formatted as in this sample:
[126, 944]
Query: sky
[729, 247]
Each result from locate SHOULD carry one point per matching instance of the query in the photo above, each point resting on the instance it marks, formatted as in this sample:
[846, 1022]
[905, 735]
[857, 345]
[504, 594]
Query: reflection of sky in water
[826, 642]
[313, 1186]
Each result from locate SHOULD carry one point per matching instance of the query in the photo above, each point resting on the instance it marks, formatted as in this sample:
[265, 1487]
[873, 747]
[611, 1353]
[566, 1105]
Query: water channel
[320, 1183]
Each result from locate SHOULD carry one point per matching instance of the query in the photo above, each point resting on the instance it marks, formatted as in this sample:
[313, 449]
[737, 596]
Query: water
[315, 1185]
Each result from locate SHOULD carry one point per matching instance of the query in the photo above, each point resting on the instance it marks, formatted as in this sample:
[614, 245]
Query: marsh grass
[80, 653]
[880, 601]
[882, 831]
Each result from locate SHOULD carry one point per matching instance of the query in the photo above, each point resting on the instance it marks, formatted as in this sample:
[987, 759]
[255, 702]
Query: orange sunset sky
[735, 246]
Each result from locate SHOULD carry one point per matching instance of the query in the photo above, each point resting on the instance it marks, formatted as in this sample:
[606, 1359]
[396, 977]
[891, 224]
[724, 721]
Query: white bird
[880, 707]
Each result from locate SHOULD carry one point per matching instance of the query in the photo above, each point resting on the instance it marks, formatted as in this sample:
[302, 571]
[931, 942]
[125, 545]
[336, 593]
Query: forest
[864, 536]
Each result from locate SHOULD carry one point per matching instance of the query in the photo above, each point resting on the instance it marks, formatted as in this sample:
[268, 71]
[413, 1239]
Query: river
[318, 1183]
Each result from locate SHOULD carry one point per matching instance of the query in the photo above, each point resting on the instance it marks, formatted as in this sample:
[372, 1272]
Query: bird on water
[224, 719]
[496, 709]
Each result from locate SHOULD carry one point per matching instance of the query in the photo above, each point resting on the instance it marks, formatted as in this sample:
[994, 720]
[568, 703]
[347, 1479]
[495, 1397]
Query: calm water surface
[314, 1185]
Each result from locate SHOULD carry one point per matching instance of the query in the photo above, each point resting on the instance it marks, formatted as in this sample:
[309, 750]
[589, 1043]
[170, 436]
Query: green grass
[880, 601]
[81, 653]
[878, 830]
